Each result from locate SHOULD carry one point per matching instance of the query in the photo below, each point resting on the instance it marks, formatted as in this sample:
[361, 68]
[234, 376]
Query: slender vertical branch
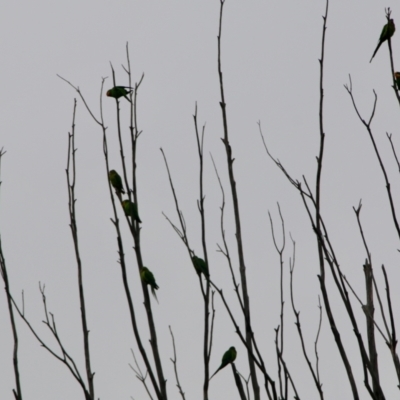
[3, 271]
[357, 211]
[225, 250]
[314, 372]
[321, 144]
[134, 225]
[280, 328]
[393, 339]
[238, 382]
[316, 348]
[121, 253]
[207, 340]
[242, 266]
[174, 361]
[135, 228]
[389, 136]
[206, 297]
[71, 179]
[370, 310]
[318, 215]
[286, 373]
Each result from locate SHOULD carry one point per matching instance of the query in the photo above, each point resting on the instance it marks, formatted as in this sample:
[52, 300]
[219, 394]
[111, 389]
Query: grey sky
[270, 52]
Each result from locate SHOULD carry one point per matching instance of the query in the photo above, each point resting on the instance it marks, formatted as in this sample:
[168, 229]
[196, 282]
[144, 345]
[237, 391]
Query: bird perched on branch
[119, 91]
[397, 79]
[116, 182]
[131, 210]
[228, 358]
[148, 278]
[200, 266]
[387, 32]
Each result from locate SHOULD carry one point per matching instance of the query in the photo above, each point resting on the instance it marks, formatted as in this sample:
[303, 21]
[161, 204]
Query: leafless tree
[279, 382]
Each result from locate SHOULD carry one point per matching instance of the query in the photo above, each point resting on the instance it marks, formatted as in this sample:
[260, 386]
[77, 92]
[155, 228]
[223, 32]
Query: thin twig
[367, 126]
[174, 361]
[140, 376]
[314, 373]
[280, 328]
[64, 357]
[225, 251]
[389, 136]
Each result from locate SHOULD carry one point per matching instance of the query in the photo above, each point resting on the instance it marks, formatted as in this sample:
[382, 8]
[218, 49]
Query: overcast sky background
[270, 52]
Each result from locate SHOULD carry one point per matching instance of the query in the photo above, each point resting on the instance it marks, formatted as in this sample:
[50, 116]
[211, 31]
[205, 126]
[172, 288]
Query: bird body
[387, 32]
[228, 358]
[119, 91]
[116, 181]
[131, 210]
[148, 278]
[397, 80]
[200, 266]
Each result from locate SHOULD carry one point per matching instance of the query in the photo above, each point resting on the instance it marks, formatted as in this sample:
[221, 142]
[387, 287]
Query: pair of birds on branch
[128, 206]
[148, 278]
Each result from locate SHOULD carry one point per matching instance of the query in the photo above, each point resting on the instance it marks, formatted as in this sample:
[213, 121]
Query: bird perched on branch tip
[387, 32]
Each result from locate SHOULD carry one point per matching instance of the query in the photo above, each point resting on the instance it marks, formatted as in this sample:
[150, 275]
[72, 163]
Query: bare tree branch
[242, 266]
[71, 179]
[3, 271]
[174, 361]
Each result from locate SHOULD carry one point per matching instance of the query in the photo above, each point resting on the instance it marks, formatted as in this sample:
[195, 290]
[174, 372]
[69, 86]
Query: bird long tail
[376, 50]
[214, 373]
[154, 294]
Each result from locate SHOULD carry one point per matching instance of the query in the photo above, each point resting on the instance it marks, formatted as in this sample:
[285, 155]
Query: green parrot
[228, 358]
[387, 32]
[397, 79]
[119, 91]
[116, 181]
[148, 278]
[131, 210]
[200, 266]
